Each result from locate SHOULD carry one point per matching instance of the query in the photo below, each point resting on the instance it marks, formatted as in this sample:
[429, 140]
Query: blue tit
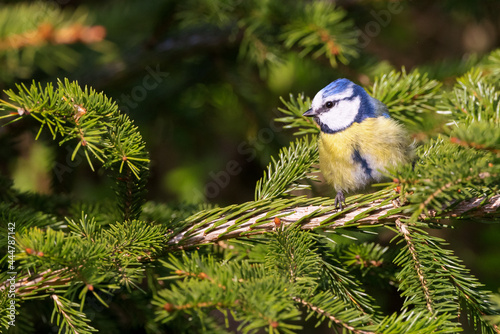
[358, 138]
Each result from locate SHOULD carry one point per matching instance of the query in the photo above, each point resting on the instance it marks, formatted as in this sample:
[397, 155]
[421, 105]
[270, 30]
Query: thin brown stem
[403, 228]
[331, 317]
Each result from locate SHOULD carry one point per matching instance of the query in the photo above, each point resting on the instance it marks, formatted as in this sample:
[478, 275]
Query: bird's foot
[339, 200]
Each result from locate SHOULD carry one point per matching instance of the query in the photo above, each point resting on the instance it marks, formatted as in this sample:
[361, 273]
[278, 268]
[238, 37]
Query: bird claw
[339, 199]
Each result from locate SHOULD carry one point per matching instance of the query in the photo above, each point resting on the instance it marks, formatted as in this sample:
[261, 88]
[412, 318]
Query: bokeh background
[203, 79]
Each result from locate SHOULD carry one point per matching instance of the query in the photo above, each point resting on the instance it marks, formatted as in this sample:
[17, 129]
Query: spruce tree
[284, 261]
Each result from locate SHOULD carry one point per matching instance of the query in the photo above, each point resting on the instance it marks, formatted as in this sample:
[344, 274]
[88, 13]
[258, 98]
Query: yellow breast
[355, 157]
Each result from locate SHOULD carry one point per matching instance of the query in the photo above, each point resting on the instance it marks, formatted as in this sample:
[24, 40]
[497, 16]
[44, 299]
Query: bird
[358, 140]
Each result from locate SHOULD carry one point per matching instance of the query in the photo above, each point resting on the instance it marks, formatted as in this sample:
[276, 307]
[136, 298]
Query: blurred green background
[203, 80]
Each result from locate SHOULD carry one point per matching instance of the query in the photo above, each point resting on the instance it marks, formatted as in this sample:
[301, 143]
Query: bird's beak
[309, 113]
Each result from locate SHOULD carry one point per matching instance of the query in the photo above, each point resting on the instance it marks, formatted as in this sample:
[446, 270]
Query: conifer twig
[43, 280]
[331, 317]
[374, 213]
[377, 214]
[403, 228]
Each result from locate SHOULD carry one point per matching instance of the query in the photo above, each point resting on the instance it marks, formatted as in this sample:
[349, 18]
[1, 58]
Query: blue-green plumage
[358, 139]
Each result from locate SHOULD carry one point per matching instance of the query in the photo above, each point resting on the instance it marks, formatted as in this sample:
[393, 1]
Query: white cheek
[342, 115]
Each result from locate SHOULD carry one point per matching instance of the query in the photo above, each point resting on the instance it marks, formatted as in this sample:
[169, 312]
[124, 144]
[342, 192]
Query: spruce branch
[113, 256]
[403, 229]
[292, 255]
[287, 270]
[491, 66]
[332, 318]
[48, 279]
[317, 213]
[442, 189]
[407, 95]
[473, 100]
[203, 283]
[477, 135]
[98, 127]
[291, 263]
[417, 322]
[301, 257]
[366, 256]
[446, 175]
[294, 163]
[310, 216]
[446, 285]
[336, 294]
[5, 303]
[68, 318]
[495, 320]
[340, 282]
[323, 30]
[293, 118]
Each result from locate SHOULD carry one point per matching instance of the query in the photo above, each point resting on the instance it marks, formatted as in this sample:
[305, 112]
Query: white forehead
[323, 95]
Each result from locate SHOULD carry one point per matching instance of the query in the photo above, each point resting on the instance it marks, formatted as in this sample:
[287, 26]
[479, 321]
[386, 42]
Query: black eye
[329, 104]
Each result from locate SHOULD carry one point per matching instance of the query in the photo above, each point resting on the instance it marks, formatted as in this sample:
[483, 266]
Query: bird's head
[342, 103]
